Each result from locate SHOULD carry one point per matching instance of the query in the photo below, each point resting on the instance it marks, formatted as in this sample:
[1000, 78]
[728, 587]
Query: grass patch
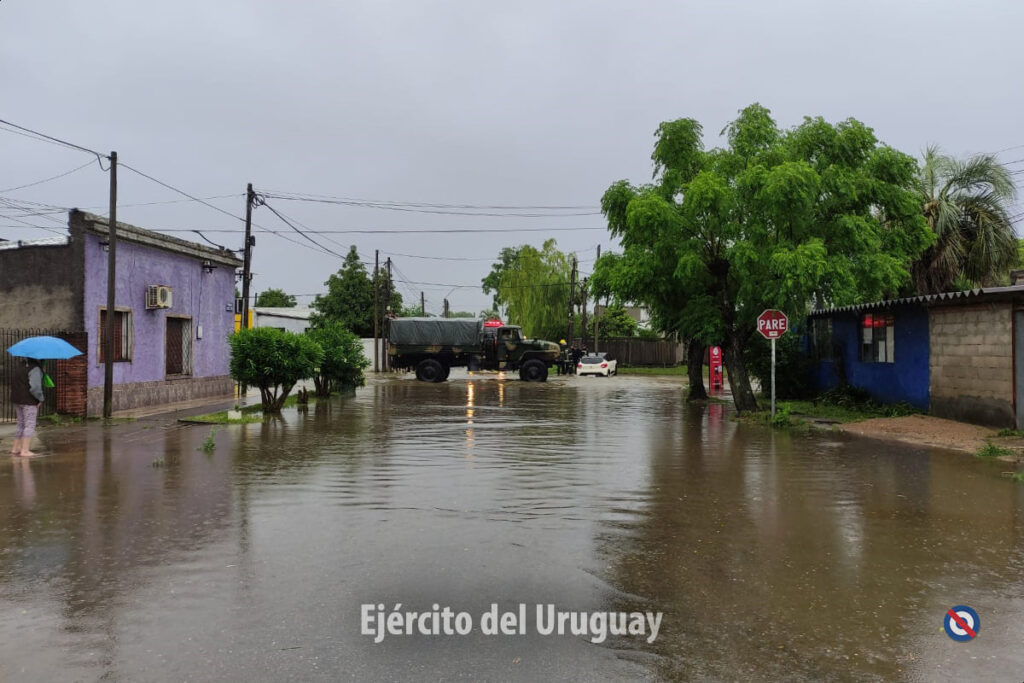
[783, 419]
[55, 420]
[848, 404]
[1018, 477]
[221, 418]
[990, 450]
[1009, 432]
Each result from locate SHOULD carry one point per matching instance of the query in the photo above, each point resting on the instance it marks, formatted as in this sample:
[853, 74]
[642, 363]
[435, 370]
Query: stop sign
[772, 324]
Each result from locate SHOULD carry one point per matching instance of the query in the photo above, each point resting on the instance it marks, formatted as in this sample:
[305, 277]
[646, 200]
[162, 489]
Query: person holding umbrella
[26, 395]
[27, 384]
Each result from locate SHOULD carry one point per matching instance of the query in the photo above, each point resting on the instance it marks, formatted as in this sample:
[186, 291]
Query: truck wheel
[533, 371]
[430, 370]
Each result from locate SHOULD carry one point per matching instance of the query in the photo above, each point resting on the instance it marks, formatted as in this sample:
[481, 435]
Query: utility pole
[247, 258]
[376, 310]
[447, 309]
[572, 296]
[387, 310]
[108, 329]
[423, 305]
[597, 318]
[583, 327]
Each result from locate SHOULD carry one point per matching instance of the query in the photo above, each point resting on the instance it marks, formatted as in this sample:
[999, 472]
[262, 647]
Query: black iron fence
[7, 361]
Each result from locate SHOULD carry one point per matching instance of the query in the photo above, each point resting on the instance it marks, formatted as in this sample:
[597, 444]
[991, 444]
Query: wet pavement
[130, 554]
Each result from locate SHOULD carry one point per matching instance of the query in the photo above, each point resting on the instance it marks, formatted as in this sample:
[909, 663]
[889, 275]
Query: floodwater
[130, 554]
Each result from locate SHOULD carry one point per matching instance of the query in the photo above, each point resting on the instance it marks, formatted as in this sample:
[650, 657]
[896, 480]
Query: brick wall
[971, 363]
[72, 379]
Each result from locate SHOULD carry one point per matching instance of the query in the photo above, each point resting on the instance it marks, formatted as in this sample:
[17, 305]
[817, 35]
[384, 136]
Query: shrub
[343, 362]
[273, 360]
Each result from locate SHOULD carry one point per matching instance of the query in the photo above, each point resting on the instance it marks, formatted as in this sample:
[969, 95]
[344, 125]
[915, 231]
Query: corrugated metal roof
[926, 299]
[44, 242]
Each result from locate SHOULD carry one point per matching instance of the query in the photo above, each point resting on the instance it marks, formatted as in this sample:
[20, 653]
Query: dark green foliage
[343, 361]
[614, 322]
[349, 297]
[857, 399]
[792, 366]
[968, 205]
[817, 214]
[275, 298]
[274, 361]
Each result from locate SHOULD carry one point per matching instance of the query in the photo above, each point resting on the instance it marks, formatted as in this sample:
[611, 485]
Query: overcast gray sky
[517, 104]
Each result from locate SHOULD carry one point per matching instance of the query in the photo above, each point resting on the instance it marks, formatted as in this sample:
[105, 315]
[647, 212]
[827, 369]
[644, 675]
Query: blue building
[956, 355]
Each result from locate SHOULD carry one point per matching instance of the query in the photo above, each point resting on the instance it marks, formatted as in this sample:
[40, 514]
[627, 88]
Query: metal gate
[7, 361]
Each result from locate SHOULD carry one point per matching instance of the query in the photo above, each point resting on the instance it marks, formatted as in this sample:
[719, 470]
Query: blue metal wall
[906, 379]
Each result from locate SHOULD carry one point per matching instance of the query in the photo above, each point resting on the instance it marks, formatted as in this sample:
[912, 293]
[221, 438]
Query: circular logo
[962, 623]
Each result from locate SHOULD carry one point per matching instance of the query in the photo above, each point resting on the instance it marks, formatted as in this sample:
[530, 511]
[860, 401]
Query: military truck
[433, 346]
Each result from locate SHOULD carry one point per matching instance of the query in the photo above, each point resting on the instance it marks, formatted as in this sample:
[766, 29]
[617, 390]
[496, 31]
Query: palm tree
[966, 205]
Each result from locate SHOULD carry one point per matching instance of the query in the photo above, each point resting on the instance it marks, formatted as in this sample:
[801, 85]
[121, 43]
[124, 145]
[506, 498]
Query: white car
[596, 364]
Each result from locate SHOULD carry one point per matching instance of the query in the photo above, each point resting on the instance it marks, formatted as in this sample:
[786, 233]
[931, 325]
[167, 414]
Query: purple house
[174, 310]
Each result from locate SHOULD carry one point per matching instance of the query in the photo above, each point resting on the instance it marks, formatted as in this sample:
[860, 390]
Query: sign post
[772, 324]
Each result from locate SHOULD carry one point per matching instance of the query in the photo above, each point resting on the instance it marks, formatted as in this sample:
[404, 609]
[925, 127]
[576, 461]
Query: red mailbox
[715, 366]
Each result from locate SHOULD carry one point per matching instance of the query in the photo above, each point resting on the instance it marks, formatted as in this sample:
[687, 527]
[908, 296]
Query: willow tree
[967, 205]
[532, 288]
[820, 213]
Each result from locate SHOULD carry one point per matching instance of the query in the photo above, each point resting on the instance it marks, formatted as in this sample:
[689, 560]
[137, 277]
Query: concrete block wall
[971, 363]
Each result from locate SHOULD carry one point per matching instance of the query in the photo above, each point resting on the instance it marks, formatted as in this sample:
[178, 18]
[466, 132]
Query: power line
[262, 202]
[444, 212]
[46, 180]
[182, 192]
[425, 231]
[301, 196]
[44, 137]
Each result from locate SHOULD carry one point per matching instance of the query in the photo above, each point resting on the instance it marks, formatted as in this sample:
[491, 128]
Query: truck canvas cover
[436, 331]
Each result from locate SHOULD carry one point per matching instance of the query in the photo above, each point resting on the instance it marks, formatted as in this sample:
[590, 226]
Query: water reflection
[132, 554]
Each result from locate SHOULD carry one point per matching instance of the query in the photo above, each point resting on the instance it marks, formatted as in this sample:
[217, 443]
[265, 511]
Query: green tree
[506, 258]
[275, 298]
[462, 314]
[533, 288]
[820, 214]
[349, 298]
[967, 205]
[614, 322]
[343, 360]
[273, 360]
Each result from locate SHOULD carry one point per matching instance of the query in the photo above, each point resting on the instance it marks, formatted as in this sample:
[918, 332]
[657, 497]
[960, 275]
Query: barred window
[877, 338]
[122, 335]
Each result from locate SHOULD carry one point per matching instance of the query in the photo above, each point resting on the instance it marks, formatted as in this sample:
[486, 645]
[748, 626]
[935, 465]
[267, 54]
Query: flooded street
[130, 554]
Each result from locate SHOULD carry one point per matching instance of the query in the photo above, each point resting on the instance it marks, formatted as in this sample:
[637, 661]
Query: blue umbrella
[42, 348]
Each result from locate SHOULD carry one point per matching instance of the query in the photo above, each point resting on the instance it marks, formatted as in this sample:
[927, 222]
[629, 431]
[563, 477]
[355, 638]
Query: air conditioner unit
[158, 296]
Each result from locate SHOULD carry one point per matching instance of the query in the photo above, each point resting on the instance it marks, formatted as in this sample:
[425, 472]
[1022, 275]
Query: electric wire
[262, 202]
[46, 180]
